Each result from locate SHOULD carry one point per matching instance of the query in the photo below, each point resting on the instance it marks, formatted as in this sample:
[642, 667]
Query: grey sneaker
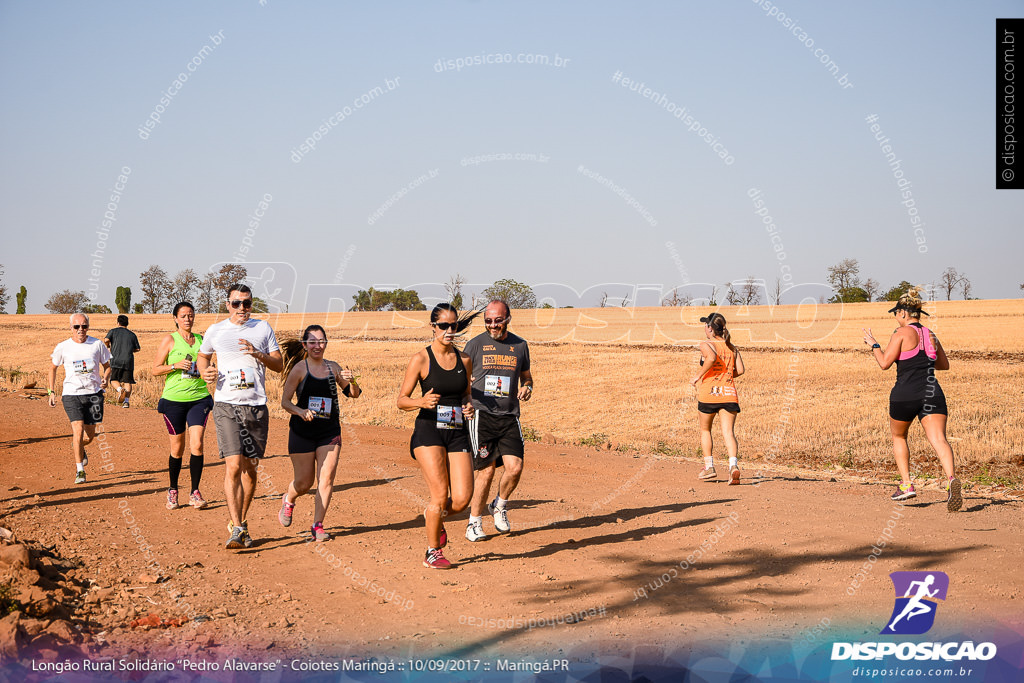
[246, 538]
[475, 531]
[237, 540]
[500, 515]
[80, 477]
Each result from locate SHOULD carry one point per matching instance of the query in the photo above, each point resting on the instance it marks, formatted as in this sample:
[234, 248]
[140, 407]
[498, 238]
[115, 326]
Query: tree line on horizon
[160, 292]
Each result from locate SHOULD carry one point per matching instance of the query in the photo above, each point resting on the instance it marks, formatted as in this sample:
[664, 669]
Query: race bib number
[320, 406]
[497, 386]
[449, 417]
[81, 367]
[243, 378]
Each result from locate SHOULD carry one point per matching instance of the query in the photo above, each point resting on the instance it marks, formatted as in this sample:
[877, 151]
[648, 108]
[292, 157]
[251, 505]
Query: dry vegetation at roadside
[617, 377]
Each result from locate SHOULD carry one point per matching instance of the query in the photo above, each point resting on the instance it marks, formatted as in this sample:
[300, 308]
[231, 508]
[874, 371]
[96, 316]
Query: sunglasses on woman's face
[247, 303]
[444, 327]
[79, 327]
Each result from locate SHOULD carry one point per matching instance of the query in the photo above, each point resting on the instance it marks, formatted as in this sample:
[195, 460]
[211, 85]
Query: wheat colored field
[617, 377]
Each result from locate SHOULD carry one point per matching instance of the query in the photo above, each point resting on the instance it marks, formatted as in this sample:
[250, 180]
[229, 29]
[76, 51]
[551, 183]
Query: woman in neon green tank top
[185, 403]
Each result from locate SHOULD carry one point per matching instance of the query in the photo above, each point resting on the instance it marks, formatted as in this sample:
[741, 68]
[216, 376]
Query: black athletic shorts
[180, 415]
[301, 443]
[906, 411]
[426, 433]
[713, 408]
[87, 408]
[494, 436]
[123, 375]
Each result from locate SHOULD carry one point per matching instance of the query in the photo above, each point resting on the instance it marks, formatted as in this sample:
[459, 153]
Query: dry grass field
[617, 378]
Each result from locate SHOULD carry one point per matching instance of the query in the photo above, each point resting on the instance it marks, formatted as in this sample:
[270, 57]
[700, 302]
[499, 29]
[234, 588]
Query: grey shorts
[241, 430]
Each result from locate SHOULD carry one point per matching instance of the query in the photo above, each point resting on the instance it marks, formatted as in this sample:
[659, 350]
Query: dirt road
[607, 550]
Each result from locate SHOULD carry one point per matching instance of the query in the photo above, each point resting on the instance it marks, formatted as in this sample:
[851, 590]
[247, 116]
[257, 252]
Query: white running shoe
[500, 515]
[475, 531]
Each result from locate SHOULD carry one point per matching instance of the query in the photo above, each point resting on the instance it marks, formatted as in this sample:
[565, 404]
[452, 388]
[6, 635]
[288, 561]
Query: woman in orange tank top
[720, 364]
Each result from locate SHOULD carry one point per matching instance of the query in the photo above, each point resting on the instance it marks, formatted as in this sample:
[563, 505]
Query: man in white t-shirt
[245, 348]
[86, 363]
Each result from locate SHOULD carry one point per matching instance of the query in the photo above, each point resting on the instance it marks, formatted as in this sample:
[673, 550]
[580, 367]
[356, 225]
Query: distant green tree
[137, 309]
[123, 299]
[92, 309]
[896, 292]
[850, 295]
[22, 296]
[515, 294]
[394, 300]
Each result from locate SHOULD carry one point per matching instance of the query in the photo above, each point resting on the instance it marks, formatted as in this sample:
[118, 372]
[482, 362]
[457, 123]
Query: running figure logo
[917, 595]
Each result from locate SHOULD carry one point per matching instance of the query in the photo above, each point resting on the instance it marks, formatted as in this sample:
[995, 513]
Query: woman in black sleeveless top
[440, 441]
[917, 354]
[314, 436]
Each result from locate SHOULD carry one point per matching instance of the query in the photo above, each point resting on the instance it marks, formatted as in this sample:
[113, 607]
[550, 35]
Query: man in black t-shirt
[501, 379]
[123, 345]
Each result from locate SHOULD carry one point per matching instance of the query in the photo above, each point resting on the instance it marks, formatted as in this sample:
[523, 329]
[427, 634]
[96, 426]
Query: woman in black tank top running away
[440, 441]
[314, 437]
[917, 353]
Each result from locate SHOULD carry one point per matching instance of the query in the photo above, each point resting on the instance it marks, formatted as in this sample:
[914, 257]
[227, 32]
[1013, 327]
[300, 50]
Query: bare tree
[156, 287]
[4, 296]
[625, 301]
[949, 280]
[844, 276]
[603, 301]
[674, 299]
[186, 284]
[206, 294]
[229, 274]
[872, 289]
[750, 292]
[67, 302]
[454, 289]
[775, 295]
[713, 301]
[965, 284]
[732, 297]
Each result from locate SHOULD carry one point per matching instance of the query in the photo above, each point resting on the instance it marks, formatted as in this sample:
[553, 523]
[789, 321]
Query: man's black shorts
[494, 436]
[87, 408]
[123, 375]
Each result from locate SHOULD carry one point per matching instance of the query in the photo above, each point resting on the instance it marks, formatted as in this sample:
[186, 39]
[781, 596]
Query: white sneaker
[501, 522]
[475, 531]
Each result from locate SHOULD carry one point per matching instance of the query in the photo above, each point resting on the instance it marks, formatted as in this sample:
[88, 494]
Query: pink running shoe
[172, 499]
[319, 535]
[435, 560]
[285, 515]
[196, 500]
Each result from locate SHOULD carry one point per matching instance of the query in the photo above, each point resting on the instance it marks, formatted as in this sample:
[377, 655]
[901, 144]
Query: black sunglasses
[493, 321]
[444, 327]
[79, 327]
[247, 303]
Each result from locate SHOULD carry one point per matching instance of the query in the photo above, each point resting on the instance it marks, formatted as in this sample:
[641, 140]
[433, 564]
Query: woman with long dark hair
[185, 403]
[440, 441]
[314, 436]
[720, 364]
[917, 353]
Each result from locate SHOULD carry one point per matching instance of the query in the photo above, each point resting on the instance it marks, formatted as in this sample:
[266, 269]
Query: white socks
[732, 462]
[500, 502]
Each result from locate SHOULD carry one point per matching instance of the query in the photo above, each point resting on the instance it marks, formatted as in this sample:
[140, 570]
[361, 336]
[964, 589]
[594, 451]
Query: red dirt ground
[590, 529]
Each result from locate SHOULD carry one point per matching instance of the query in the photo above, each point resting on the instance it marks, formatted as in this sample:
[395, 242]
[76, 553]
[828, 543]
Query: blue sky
[80, 79]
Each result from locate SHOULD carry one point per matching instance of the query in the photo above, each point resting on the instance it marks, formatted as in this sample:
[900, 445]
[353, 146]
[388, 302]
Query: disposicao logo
[917, 595]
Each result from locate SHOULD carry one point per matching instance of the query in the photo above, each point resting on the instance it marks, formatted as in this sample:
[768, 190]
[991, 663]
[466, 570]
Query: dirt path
[593, 530]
